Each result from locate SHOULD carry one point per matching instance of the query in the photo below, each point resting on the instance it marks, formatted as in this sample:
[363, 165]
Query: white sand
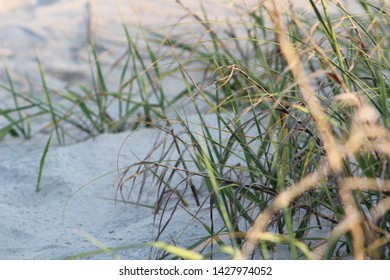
[66, 217]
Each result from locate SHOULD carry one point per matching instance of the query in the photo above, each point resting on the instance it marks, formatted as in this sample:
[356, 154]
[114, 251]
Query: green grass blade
[42, 163]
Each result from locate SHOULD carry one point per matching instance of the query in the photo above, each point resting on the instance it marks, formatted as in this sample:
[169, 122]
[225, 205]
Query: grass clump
[85, 110]
[298, 154]
[292, 146]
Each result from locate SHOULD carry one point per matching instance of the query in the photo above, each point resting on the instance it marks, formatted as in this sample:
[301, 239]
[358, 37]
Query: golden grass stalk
[313, 103]
[302, 80]
[366, 133]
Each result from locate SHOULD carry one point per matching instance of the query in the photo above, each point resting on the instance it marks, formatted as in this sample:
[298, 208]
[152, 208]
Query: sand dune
[70, 216]
[66, 218]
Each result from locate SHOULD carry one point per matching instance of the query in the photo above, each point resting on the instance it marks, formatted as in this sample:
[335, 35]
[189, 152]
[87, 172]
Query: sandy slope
[65, 219]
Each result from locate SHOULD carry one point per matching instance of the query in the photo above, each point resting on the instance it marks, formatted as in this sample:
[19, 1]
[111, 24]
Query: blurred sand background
[69, 217]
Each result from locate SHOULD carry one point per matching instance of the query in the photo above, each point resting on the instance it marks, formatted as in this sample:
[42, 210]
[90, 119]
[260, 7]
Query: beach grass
[297, 155]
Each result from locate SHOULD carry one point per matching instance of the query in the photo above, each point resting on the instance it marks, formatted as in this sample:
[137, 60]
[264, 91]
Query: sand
[78, 208]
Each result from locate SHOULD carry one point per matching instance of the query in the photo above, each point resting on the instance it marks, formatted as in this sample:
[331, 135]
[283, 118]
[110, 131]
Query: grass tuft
[277, 134]
[298, 152]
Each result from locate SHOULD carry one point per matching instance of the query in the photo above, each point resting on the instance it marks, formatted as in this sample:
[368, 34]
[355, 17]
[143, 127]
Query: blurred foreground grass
[298, 154]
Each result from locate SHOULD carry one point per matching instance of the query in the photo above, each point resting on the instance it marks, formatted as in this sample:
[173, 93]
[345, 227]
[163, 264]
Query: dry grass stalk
[366, 134]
